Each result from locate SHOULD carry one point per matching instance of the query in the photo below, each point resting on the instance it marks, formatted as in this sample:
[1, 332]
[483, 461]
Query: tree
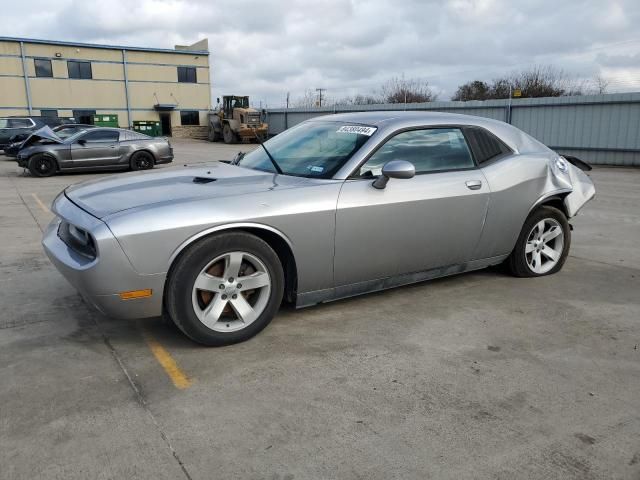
[413, 90]
[360, 99]
[475, 90]
[600, 84]
[543, 82]
[538, 81]
[307, 100]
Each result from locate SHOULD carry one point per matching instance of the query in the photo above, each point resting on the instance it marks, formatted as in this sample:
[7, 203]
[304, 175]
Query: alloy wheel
[144, 163]
[231, 291]
[544, 247]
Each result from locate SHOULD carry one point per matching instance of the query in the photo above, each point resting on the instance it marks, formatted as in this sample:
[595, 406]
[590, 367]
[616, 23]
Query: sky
[270, 47]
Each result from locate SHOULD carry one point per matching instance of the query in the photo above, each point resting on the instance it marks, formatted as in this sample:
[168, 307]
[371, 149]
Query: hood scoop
[203, 179]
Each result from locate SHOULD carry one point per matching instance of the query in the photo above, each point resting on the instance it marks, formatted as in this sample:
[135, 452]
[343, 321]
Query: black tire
[142, 161]
[213, 135]
[517, 261]
[228, 135]
[178, 292]
[41, 165]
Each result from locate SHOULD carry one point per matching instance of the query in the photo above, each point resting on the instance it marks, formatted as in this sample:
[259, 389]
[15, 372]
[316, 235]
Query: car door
[96, 148]
[432, 220]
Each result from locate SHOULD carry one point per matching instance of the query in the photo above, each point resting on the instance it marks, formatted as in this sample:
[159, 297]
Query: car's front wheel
[41, 165]
[543, 244]
[225, 288]
[228, 135]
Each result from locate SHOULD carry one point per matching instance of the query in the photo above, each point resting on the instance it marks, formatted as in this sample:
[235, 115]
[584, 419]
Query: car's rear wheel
[41, 165]
[229, 135]
[543, 244]
[142, 161]
[225, 288]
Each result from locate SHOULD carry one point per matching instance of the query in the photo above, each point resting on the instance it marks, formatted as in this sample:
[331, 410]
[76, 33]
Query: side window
[188, 117]
[80, 70]
[101, 136]
[430, 150]
[43, 67]
[485, 145]
[187, 75]
[20, 123]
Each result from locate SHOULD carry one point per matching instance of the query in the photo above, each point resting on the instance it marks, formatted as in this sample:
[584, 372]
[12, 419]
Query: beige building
[67, 79]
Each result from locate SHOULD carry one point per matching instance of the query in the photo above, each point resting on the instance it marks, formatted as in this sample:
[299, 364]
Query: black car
[14, 129]
[62, 131]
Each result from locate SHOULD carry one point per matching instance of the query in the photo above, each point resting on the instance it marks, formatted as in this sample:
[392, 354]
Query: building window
[187, 75]
[43, 67]
[84, 116]
[189, 117]
[49, 113]
[79, 69]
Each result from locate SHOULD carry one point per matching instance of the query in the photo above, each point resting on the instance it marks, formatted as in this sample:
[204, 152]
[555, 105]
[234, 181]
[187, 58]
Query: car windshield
[311, 149]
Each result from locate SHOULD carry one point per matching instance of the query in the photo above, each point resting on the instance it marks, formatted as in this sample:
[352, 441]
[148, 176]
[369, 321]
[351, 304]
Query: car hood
[104, 197]
[45, 133]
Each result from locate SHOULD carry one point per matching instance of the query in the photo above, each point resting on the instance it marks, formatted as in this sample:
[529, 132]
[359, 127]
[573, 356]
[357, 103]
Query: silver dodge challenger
[45, 153]
[336, 206]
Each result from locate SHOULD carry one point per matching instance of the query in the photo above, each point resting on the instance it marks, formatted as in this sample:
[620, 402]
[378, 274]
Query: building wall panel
[12, 93]
[10, 66]
[52, 93]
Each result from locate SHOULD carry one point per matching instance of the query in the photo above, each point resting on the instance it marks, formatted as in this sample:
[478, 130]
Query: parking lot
[479, 375]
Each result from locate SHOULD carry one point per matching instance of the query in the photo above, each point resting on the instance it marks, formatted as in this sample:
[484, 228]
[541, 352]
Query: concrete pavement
[474, 376]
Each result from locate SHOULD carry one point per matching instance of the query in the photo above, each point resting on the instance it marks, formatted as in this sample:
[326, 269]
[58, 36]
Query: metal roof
[97, 45]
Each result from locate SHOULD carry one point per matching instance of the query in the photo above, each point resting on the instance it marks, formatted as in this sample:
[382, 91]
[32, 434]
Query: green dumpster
[148, 127]
[105, 120]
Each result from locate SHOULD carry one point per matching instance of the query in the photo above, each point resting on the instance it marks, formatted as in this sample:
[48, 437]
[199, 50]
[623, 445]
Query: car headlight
[77, 239]
[562, 165]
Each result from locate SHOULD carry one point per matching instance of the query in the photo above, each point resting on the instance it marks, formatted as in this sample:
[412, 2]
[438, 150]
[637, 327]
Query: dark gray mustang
[45, 154]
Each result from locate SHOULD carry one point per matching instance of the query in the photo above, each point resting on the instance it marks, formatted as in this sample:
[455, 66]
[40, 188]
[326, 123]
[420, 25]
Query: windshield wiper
[273, 161]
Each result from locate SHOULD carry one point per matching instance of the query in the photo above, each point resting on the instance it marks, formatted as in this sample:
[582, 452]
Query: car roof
[109, 129]
[379, 117]
[397, 119]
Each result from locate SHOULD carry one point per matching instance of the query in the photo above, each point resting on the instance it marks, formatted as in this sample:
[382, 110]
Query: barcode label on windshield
[368, 131]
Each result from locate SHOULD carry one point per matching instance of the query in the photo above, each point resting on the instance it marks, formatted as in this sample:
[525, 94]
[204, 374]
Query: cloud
[266, 49]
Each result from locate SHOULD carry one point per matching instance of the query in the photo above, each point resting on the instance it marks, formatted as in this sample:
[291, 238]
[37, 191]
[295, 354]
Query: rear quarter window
[485, 145]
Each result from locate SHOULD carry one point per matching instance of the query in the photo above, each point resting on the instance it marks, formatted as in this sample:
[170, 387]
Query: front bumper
[100, 280]
[12, 150]
[250, 132]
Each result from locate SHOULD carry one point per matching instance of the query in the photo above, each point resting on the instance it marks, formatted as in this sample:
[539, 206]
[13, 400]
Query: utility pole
[287, 99]
[320, 90]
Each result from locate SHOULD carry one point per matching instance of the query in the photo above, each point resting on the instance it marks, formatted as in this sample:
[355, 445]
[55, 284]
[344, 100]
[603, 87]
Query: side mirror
[82, 142]
[394, 169]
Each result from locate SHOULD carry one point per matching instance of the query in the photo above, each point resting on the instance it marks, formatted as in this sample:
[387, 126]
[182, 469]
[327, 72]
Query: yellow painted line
[164, 358]
[42, 206]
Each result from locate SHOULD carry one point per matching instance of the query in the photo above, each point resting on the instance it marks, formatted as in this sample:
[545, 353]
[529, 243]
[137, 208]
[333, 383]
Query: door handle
[473, 184]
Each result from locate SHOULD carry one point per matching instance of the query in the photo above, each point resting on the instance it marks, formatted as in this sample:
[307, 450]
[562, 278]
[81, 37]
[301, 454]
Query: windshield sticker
[368, 131]
[316, 169]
